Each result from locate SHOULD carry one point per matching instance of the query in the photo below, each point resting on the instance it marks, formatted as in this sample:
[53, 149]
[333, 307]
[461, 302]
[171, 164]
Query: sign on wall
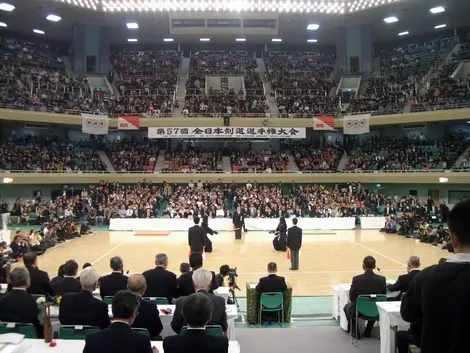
[227, 132]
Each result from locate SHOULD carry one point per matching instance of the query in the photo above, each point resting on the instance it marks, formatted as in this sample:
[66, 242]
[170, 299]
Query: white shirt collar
[196, 328]
[459, 258]
[17, 288]
[69, 276]
[121, 321]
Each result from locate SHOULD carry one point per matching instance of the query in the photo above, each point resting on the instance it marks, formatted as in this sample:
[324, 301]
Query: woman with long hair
[280, 241]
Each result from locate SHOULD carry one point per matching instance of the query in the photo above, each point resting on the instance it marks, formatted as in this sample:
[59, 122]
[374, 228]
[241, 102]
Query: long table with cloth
[341, 298]
[182, 224]
[389, 320]
[372, 222]
[232, 315]
[76, 346]
[252, 303]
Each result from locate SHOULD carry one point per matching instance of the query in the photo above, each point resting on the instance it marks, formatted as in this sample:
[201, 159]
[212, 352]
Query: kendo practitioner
[207, 230]
[238, 222]
[280, 241]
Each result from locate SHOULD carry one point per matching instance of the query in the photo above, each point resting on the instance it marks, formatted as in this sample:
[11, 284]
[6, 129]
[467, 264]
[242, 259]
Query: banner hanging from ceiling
[95, 124]
[227, 132]
[323, 123]
[129, 122]
[356, 124]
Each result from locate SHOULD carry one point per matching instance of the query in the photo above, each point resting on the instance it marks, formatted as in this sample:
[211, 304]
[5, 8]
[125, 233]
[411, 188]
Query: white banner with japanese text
[227, 132]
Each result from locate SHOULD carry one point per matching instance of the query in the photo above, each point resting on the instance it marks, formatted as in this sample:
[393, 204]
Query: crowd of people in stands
[309, 156]
[265, 161]
[130, 154]
[193, 160]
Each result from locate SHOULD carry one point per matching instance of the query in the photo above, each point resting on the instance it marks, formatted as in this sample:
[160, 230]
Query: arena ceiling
[413, 16]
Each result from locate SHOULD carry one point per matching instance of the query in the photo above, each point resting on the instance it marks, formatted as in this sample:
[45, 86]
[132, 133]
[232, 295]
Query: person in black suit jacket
[202, 280]
[119, 338]
[69, 283]
[40, 283]
[197, 311]
[294, 243]
[18, 305]
[116, 281]
[60, 275]
[367, 283]
[272, 282]
[82, 308]
[148, 317]
[185, 281]
[160, 281]
[404, 281]
[196, 237]
[238, 221]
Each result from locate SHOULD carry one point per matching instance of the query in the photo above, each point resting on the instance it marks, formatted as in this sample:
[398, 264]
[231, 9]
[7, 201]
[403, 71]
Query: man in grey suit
[294, 243]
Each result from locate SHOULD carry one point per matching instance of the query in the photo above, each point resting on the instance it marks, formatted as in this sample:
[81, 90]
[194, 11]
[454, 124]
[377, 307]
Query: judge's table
[253, 298]
[390, 320]
[76, 346]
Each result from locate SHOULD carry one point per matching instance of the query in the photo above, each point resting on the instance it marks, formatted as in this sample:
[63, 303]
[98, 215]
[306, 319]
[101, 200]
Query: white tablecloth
[372, 222]
[341, 298]
[232, 314]
[72, 346]
[390, 317]
[222, 292]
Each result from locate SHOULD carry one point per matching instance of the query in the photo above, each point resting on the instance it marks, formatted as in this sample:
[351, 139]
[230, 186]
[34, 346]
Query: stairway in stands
[160, 163]
[462, 158]
[227, 166]
[104, 158]
[292, 164]
[182, 79]
[342, 162]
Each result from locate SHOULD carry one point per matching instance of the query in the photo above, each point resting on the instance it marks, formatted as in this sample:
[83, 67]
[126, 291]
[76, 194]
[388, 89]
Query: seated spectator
[251, 161]
[185, 281]
[193, 160]
[311, 157]
[116, 281]
[160, 281]
[130, 154]
[69, 283]
[148, 317]
[202, 281]
[404, 281]
[197, 310]
[39, 280]
[184, 268]
[60, 275]
[119, 338]
[272, 282]
[82, 308]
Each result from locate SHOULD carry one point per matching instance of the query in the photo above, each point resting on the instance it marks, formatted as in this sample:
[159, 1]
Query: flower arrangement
[43, 304]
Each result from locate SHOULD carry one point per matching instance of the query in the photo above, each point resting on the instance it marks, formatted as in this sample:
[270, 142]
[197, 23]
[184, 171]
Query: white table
[390, 317]
[222, 292]
[232, 314]
[341, 298]
[72, 346]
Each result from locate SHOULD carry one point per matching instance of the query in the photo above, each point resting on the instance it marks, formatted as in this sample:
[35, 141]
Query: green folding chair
[366, 309]
[108, 300]
[28, 330]
[157, 300]
[212, 330]
[76, 332]
[142, 331]
[272, 302]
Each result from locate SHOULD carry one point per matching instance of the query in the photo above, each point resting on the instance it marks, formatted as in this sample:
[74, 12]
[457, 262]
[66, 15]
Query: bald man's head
[137, 284]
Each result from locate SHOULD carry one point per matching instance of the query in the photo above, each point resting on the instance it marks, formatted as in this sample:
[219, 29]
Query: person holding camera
[224, 271]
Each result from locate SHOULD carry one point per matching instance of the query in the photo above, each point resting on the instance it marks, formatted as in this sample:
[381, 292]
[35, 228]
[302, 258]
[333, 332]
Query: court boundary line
[375, 251]
[110, 251]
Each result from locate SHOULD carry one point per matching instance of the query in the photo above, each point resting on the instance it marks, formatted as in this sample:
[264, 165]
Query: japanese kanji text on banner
[227, 132]
[323, 123]
[95, 124]
[356, 124]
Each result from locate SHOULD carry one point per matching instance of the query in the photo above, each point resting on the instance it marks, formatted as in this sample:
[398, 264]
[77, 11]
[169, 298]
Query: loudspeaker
[226, 121]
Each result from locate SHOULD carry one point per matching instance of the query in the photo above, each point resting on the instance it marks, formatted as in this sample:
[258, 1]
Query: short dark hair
[224, 270]
[124, 304]
[196, 219]
[442, 260]
[115, 263]
[197, 309]
[185, 267]
[272, 267]
[71, 268]
[85, 265]
[369, 262]
[457, 222]
[29, 258]
[295, 221]
[195, 261]
[61, 270]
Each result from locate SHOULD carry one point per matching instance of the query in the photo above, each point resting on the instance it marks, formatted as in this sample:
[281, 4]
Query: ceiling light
[3, 24]
[132, 25]
[4, 6]
[38, 31]
[403, 33]
[312, 40]
[391, 19]
[132, 40]
[53, 18]
[313, 27]
[240, 40]
[205, 39]
[276, 40]
[437, 9]
[440, 26]
[168, 39]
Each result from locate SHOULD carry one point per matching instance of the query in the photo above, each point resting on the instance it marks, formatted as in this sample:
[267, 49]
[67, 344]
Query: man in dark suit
[185, 281]
[404, 281]
[197, 311]
[272, 282]
[196, 237]
[294, 243]
[116, 281]
[68, 284]
[160, 281]
[119, 338]
[18, 305]
[238, 222]
[40, 283]
[148, 317]
[438, 296]
[202, 280]
[367, 283]
[82, 308]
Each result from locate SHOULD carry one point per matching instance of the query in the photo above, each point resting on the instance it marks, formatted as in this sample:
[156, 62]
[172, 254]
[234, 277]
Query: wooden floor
[326, 258]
